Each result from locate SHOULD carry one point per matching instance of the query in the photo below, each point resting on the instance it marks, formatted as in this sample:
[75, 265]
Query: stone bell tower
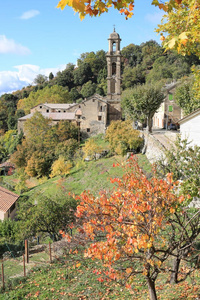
[113, 57]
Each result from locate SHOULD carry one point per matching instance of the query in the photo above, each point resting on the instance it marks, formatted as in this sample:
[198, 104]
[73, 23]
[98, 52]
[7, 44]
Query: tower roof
[114, 35]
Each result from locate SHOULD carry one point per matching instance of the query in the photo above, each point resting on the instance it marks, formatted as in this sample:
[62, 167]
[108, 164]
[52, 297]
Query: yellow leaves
[86, 7]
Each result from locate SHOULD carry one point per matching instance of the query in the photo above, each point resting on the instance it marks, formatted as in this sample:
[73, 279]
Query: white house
[190, 127]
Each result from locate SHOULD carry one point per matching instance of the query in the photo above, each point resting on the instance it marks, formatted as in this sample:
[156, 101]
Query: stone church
[95, 113]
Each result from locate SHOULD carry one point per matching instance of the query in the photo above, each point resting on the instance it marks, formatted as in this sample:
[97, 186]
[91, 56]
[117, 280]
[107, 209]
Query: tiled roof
[7, 164]
[59, 105]
[54, 116]
[7, 199]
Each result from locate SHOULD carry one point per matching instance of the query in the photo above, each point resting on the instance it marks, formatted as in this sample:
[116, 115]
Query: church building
[95, 113]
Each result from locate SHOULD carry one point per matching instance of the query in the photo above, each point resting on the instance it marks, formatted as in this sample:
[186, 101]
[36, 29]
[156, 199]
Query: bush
[123, 138]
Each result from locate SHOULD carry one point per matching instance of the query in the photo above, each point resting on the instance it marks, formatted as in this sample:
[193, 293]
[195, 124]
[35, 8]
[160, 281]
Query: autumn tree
[142, 101]
[91, 149]
[122, 137]
[128, 228]
[60, 167]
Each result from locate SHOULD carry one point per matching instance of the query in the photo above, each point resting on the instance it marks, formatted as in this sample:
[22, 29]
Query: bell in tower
[114, 66]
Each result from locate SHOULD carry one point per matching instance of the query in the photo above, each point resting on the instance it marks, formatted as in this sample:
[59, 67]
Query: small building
[190, 128]
[169, 112]
[8, 204]
[6, 168]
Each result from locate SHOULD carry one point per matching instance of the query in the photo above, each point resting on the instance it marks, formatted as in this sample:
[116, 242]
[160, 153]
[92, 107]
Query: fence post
[24, 266]
[3, 280]
[50, 256]
[26, 251]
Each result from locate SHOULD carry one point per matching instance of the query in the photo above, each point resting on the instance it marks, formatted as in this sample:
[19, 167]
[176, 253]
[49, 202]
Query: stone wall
[153, 149]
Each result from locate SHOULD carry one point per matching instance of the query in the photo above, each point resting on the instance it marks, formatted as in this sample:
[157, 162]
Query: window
[113, 68]
[99, 118]
[101, 108]
[40, 106]
[47, 110]
[79, 116]
[64, 110]
[114, 46]
[170, 108]
[88, 129]
[170, 97]
[93, 100]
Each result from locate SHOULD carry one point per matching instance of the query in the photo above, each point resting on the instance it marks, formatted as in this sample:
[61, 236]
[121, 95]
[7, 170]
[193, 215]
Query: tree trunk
[152, 289]
[149, 124]
[174, 273]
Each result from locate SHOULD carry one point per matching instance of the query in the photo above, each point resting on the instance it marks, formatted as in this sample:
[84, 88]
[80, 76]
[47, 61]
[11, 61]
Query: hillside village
[53, 149]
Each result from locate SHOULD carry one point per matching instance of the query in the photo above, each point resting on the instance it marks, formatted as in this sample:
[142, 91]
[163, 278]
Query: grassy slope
[74, 278]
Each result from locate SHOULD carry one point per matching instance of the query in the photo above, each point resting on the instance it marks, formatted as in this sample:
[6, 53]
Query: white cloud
[24, 75]
[10, 46]
[29, 14]
[154, 18]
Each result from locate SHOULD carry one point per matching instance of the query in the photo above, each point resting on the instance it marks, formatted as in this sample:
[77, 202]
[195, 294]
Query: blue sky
[38, 38]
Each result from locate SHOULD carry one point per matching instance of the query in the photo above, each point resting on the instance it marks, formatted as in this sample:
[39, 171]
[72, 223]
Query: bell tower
[113, 58]
[114, 66]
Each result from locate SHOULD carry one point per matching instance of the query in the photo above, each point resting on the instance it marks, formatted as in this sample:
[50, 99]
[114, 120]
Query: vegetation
[183, 162]
[123, 138]
[45, 214]
[37, 153]
[141, 102]
[136, 228]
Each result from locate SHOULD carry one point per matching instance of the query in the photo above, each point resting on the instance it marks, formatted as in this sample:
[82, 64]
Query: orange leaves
[97, 7]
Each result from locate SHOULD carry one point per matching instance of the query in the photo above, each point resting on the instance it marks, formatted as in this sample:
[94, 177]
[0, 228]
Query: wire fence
[13, 267]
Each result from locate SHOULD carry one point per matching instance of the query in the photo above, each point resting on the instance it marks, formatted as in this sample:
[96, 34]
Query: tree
[40, 79]
[82, 74]
[184, 96]
[51, 76]
[183, 161]
[132, 55]
[180, 26]
[127, 229]
[123, 138]
[91, 148]
[60, 167]
[88, 89]
[43, 213]
[66, 77]
[142, 101]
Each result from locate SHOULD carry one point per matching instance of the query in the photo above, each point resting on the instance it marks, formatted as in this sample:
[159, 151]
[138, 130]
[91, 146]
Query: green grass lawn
[74, 278]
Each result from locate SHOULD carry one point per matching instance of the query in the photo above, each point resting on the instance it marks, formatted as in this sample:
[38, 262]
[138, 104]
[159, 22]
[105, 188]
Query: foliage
[38, 152]
[183, 161]
[60, 167]
[184, 96]
[142, 101]
[127, 229]
[122, 137]
[182, 26]
[53, 94]
[88, 89]
[8, 229]
[40, 79]
[67, 148]
[43, 213]
[91, 148]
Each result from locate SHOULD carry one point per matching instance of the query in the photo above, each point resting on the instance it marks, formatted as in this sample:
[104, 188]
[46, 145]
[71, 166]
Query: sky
[38, 38]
